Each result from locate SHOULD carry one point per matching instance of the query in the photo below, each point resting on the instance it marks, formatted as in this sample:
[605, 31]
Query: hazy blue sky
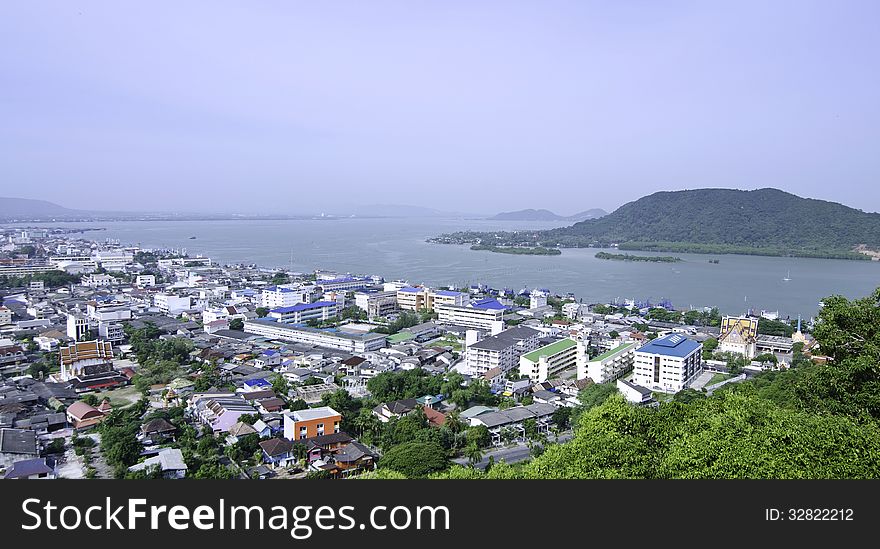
[466, 106]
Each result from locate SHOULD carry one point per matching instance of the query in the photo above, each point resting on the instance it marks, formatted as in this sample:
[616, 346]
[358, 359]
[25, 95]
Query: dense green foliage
[415, 459]
[630, 257]
[517, 250]
[50, 279]
[760, 222]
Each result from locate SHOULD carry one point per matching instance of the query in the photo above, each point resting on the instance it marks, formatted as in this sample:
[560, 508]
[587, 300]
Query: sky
[296, 107]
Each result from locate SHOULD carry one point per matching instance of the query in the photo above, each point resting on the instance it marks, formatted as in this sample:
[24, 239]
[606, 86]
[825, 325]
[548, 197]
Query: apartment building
[145, 281]
[344, 284]
[545, 361]
[608, 366]
[331, 339]
[312, 422]
[446, 297]
[304, 312]
[470, 316]
[500, 351]
[5, 315]
[376, 304]
[668, 364]
[412, 299]
[284, 296]
[172, 305]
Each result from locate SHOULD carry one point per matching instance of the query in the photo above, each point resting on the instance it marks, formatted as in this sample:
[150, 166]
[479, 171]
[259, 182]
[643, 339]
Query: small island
[517, 250]
[628, 257]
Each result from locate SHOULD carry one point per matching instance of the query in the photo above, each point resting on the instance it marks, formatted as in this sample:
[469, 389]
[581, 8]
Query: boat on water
[192, 238]
[787, 276]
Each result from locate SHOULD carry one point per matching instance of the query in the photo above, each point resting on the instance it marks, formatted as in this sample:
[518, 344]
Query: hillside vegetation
[760, 222]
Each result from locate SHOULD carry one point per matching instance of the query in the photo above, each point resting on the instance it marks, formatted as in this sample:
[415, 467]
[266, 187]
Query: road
[509, 454]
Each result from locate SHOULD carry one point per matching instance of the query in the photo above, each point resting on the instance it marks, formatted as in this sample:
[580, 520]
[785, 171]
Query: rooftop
[614, 351]
[550, 350]
[675, 345]
[313, 413]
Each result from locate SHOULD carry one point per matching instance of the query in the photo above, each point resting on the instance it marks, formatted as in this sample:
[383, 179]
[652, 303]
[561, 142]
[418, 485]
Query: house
[267, 359]
[277, 452]
[258, 384]
[238, 431]
[82, 415]
[17, 445]
[510, 421]
[435, 418]
[157, 431]
[220, 411]
[394, 409]
[32, 469]
[312, 422]
[634, 393]
[262, 428]
[168, 460]
[353, 459]
[271, 405]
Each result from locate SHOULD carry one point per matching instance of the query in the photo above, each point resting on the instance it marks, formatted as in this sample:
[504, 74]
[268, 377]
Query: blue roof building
[668, 364]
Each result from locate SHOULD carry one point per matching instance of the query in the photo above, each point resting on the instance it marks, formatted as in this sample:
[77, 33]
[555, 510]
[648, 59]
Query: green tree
[262, 312]
[236, 324]
[415, 459]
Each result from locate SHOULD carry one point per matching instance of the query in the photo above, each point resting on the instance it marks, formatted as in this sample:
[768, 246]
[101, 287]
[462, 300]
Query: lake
[396, 249]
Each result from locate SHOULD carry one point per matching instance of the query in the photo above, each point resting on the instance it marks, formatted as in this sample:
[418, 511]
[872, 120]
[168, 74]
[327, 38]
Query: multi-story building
[668, 364]
[77, 326]
[172, 305]
[113, 260]
[284, 296]
[312, 422]
[446, 297]
[145, 281]
[24, 267]
[412, 299]
[608, 366]
[500, 351]
[184, 262]
[470, 316]
[219, 411]
[331, 339]
[111, 331]
[304, 312]
[376, 304]
[545, 361]
[74, 264]
[345, 284]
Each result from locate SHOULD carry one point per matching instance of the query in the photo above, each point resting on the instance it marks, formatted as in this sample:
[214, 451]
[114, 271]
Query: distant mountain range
[547, 215]
[759, 222]
[26, 207]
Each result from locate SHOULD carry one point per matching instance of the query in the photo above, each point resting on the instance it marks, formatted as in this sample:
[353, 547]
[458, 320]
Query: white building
[172, 305]
[77, 326]
[446, 297]
[113, 260]
[284, 296]
[632, 392]
[469, 316]
[96, 280]
[145, 281]
[668, 364]
[545, 361]
[607, 366]
[111, 331]
[304, 312]
[353, 343]
[344, 284]
[500, 351]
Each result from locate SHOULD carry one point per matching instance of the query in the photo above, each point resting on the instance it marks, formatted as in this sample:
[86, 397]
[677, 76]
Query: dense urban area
[122, 362]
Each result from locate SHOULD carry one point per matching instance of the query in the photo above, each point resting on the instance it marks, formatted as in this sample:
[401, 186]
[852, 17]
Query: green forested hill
[764, 221]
